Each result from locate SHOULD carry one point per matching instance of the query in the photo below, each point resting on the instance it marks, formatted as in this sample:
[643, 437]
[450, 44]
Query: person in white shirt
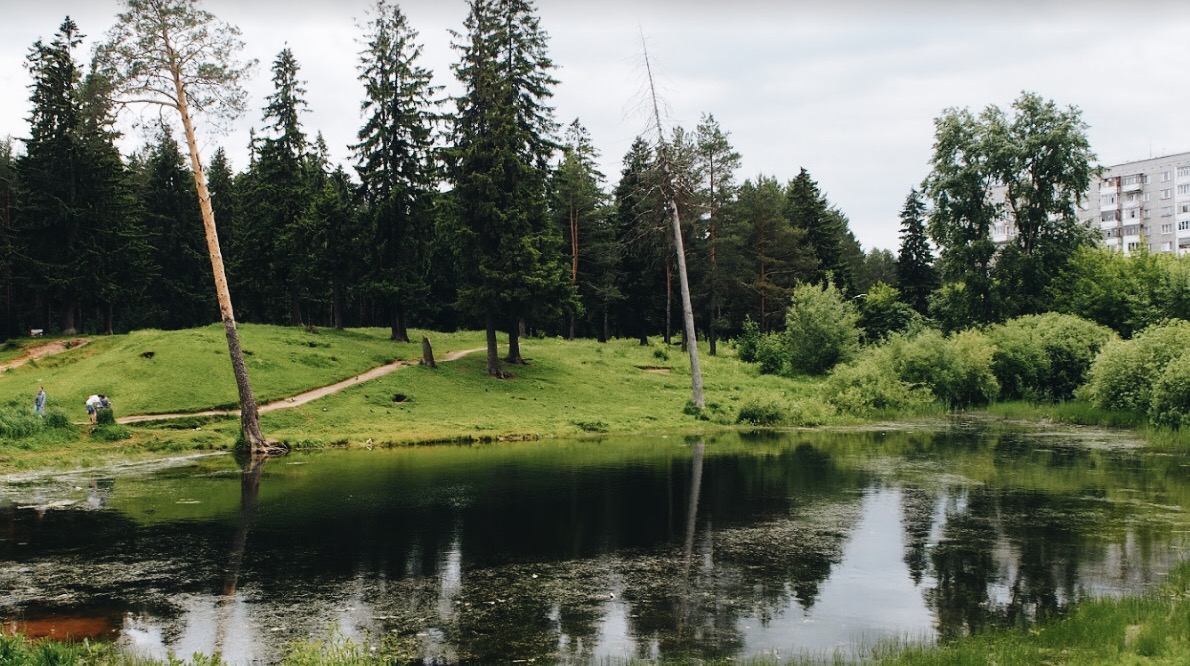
[92, 407]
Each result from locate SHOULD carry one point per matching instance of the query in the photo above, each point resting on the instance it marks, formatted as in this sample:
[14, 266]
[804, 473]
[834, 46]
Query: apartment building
[1135, 204]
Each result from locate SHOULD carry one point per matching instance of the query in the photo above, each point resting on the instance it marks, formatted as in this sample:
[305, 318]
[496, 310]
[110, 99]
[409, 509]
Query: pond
[741, 545]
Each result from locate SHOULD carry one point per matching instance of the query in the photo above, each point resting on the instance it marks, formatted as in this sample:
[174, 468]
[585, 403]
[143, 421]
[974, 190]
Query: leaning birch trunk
[672, 203]
[249, 415]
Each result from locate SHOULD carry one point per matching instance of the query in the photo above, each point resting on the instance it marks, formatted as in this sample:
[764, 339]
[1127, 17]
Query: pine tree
[717, 163]
[916, 276]
[499, 162]
[642, 243]
[396, 163]
[174, 55]
[580, 207]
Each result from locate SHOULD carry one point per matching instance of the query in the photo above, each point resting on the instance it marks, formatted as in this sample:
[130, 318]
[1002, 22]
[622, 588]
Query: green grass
[567, 388]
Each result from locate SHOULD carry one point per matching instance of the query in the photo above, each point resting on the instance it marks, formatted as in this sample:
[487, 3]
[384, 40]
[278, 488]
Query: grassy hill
[567, 388]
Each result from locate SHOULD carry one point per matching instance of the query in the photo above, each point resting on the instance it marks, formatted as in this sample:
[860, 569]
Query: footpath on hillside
[59, 346]
[46, 349]
[301, 398]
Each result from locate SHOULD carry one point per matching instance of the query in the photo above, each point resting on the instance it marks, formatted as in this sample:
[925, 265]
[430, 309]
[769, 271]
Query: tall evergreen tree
[396, 163]
[580, 207]
[499, 160]
[773, 253]
[642, 244]
[279, 192]
[717, 163]
[916, 276]
[180, 297]
[8, 295]
[51, 228]
[826, 230]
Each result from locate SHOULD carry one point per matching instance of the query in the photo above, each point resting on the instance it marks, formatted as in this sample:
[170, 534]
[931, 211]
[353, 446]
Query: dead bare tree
[669, 195]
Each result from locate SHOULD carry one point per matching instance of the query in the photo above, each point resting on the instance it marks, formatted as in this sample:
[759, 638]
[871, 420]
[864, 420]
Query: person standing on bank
[39, 401]
[92, 407]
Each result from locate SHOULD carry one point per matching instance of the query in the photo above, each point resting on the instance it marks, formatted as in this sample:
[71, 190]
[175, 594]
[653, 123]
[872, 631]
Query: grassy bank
[568, 388]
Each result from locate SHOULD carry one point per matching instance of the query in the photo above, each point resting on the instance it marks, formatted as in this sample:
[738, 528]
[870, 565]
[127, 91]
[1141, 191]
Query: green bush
[870, 385]
[747, 345]
[957, 369]
[1045, 357]
[821, 329]
[771, 353]
[1124, 374]
[111, 432]
[105, 416]
[1171, 394]
[760, 412]
[882, 313]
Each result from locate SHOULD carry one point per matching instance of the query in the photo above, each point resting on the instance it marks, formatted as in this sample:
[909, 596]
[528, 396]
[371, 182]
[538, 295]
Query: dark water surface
[760, 545]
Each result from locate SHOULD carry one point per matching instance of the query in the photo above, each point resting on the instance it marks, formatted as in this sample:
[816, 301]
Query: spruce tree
[826, 230]
[642, 244]
[397, 164]
[916, 276]
[717, 163]
[501, 145]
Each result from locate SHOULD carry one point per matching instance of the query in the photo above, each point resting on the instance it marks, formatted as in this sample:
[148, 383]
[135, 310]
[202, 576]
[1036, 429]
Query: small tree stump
[427, 353]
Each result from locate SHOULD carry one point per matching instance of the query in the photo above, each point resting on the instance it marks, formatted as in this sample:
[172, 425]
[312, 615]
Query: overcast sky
[847, 89]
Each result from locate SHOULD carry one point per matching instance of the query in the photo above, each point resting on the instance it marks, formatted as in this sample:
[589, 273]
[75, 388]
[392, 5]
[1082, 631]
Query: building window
[1167, 228]
[1132, 245]
[1167, 194]
[1130, 180]
[1184, 208]
[1109, 216]
[1167, 246]
[1131, 213]
[1184, 172]
[1183, 225]
[1148, 196]
[1148, 213]
[1166, 210]
[1184, 189]
[1166, 176]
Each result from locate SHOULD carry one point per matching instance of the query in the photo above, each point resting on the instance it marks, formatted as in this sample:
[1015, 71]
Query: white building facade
[1135, 204]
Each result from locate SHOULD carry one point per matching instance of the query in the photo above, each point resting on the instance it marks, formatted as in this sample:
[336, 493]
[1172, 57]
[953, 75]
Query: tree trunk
[687, 313]
[669, 306]
[397, 324]
[514, 345]
[604, 330]
[494, 368]
[108, 319]
[68, 316]
[427, 353]
[337, 300]
[295, 305]
[249, 416]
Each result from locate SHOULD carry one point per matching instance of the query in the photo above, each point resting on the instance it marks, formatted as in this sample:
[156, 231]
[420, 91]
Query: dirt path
[55, 347]
[301, 398]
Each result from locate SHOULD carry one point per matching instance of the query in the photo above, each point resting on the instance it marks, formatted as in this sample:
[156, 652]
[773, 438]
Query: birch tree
[174, 55]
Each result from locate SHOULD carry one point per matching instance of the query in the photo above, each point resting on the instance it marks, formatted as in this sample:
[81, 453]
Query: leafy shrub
[111, 432]
[760, 412]
[821, 329]
[105, 416]
[747, 345]
[882, 313]
[870, 385]
[957, 369]
[771, 354]
[1124, 374]
[1045, 357]
[660, 352]
[1171, 394]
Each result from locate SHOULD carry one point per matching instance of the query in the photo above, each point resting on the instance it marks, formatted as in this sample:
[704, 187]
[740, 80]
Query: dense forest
[483, 210]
